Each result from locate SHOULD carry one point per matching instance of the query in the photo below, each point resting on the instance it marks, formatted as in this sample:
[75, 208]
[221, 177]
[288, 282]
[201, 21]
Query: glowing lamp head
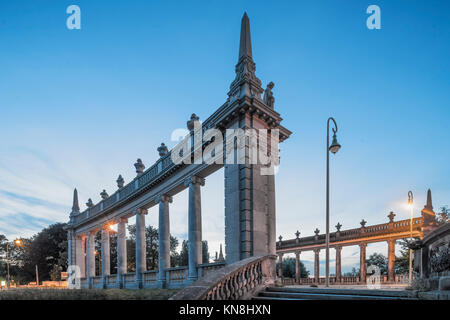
[335, 146]
[410, 199]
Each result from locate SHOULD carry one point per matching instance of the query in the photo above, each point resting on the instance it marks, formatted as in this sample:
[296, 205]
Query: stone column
[362, 262]
[90, 257]
[316, 265]
[391, 260]
[297, 267]
[141, 257]
[338, 264]
[280, 265]
[71, 247]
[80, 253]
[164, 239]
[106, 253]
[249, 194]
[194, 225]
[121, 251]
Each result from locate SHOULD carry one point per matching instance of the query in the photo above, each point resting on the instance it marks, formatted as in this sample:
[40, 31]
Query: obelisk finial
[75, 206]
[245, 46]
[429, 204]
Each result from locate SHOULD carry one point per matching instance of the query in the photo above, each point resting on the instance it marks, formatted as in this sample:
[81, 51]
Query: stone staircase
[300, 293]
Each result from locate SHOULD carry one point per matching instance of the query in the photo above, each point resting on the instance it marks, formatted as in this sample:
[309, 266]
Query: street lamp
[411, 207]
[334, 147]
[17, 243]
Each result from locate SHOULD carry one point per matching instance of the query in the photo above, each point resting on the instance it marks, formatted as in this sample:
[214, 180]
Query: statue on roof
[268, 95]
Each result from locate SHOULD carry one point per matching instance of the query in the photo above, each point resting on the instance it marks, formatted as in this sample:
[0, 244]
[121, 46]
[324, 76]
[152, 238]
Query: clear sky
[78, 107]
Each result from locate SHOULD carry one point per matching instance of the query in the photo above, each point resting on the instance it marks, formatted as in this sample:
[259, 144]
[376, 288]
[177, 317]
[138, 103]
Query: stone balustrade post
[194, 225]
[163, 238]
[121, 251]
[141, 257]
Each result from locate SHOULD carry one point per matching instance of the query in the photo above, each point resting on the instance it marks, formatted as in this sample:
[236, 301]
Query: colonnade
[338, 275]
[84, 248]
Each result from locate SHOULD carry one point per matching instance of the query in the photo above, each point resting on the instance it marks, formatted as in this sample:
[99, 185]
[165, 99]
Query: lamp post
[411, 206]
[334, 147]
[17, 243]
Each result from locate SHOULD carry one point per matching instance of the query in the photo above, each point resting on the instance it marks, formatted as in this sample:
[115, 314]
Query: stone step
[290, 293]
[364, 292]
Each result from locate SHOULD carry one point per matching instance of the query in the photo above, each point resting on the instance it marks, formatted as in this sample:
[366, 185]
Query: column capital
[80, 236]
[297, 253]
[164, 198]
[93, 232]
[122, 219]
[363, 245]
[316, 251]
[140, 211]
[194, 180]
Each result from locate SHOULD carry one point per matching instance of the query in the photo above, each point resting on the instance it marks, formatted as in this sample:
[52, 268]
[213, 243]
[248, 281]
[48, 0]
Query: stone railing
[111, 279]
[239, 280]
[399, 279]
[369, 231]
[176, 274]
[206, 268]
[128, 277]
[150, 276]
[151, 176]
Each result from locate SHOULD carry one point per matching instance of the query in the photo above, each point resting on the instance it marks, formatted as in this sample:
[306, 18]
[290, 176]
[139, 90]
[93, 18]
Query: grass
[86, 294]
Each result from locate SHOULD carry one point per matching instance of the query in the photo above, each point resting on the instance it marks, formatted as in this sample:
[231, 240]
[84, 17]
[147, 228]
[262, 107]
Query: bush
[440, 259]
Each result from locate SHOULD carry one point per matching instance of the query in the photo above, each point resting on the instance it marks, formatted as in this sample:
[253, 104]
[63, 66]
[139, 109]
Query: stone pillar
[249, 194]
[90, 257]
[141, 257]
[297, 267]
[391, 260]
[121, 251]
[71, 256]
[106, 254]
[280, 265]
[338, 264]
[80, 252]
[316, 265]
[164, 239]
[362, 262]
[194, 225]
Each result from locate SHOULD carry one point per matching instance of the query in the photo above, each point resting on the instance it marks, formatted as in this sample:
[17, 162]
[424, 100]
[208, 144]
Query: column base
[161, 284]
[119, 281]
[139, 282]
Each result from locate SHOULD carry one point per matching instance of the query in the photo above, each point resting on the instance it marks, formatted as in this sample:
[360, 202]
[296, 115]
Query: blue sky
[77, 107]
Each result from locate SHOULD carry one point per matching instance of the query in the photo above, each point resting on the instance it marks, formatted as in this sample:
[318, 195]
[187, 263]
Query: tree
[151, 240]
[401, 263]
[443, 216]
[289, 268]
[379, 260]
[353, 273]
[183, 257]
[205, 252]
[47, 250]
